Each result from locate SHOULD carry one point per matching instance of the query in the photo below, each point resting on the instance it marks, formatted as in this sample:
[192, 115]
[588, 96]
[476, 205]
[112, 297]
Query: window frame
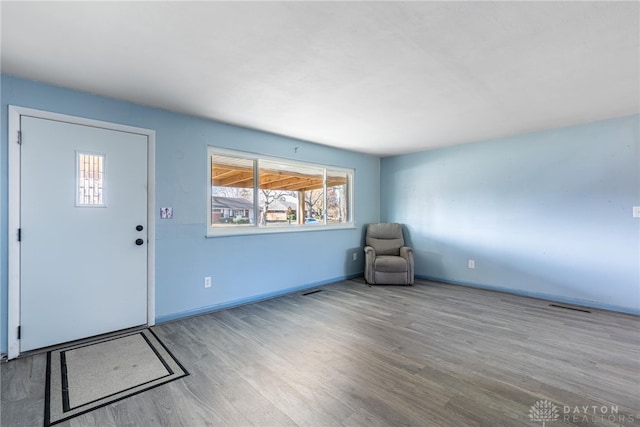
[256, 227]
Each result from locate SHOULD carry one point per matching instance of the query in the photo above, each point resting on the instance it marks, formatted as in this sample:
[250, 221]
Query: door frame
[13, 303]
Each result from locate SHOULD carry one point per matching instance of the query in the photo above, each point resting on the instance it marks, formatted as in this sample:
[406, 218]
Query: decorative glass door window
[90, 179]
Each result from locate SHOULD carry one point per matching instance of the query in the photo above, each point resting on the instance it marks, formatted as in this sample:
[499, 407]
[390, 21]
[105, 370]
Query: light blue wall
[545, 214]
[243, 268]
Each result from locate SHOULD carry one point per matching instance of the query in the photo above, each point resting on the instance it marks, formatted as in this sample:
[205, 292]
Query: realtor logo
[543, 411]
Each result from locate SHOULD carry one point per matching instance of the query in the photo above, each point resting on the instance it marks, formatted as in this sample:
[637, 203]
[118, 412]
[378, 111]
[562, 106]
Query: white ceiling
[382, 78]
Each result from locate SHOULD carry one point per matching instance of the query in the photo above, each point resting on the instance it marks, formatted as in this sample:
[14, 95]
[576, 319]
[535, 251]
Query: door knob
[139, 242]
[139, 227]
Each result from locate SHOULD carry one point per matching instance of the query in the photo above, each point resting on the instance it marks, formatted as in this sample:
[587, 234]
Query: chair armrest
[369, 258]
[407, 253]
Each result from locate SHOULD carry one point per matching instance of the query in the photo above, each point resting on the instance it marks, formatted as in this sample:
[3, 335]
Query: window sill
[231, 232]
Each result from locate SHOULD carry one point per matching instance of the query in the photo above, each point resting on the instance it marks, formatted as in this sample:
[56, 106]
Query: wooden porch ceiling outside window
[225, 175]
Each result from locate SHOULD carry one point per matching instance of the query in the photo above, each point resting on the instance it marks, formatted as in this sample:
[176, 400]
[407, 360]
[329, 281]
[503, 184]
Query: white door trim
[13, 302]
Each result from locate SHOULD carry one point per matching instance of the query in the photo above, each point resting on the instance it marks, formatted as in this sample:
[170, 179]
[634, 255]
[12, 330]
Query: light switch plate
[636, 211]
[166, 213]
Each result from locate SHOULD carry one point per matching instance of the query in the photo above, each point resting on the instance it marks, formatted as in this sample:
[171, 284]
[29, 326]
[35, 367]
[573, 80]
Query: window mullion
[324, 196]
[256, 195]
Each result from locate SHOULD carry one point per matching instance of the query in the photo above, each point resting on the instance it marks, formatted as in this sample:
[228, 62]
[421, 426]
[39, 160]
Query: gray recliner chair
[387, 260]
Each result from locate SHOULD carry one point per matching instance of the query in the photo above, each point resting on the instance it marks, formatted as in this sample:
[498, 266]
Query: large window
[250, 193]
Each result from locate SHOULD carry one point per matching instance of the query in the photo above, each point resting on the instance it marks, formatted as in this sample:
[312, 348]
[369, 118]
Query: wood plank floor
[355, 355]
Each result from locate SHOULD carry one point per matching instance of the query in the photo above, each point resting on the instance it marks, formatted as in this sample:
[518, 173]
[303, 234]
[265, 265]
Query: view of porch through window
[232, 182]
[284, 194]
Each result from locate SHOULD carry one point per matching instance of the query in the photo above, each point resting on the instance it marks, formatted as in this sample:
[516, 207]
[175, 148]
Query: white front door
[83, 231]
